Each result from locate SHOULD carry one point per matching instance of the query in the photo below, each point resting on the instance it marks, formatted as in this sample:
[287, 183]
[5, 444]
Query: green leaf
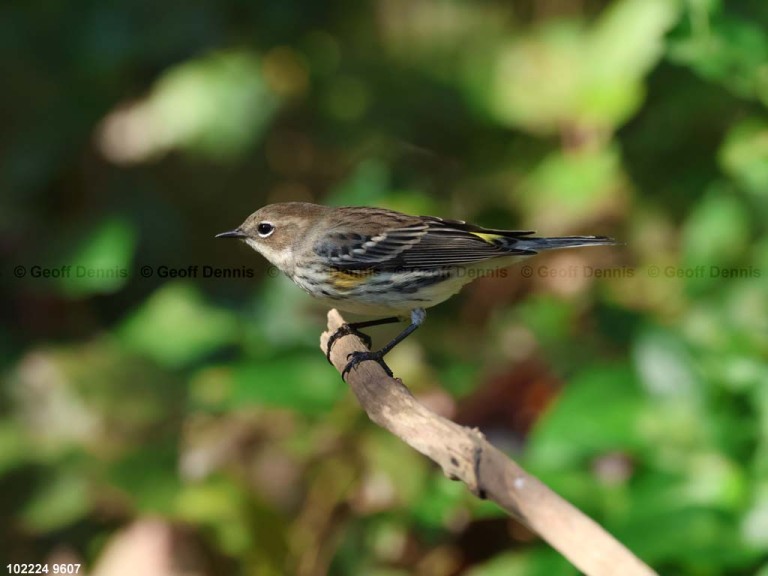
[665, 367]
[367, 185]
[149, 476]
[13, 446]
[744, 155]
[64, 499]
[576, 184]
[566, 74]
[536, 80]
[301, 382]
[548, 317]
[729, 50]
[281, 316]
[625, 44]
[717, 231]
[599, 411]
[214, 106]
[175, 326]
[398, 465]
[441, 501]
[692, 536]
[101, 263]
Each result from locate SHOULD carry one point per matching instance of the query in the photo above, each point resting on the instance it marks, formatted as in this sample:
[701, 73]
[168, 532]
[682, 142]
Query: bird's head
[276, 230]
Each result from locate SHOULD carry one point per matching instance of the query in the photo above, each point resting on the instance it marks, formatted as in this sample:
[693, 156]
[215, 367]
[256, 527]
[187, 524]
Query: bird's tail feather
[539, 244]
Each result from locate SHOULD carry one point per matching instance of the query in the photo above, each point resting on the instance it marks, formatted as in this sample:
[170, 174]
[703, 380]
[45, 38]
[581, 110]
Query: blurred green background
[158, 418]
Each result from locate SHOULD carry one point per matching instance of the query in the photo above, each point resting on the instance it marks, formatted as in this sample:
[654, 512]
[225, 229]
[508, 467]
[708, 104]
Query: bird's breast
[377, 293]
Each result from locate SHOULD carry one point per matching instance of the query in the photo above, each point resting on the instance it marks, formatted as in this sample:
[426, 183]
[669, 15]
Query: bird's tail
[534, 244]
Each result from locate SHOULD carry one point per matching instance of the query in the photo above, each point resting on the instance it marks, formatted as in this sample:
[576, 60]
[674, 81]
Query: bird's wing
[456, 243]
[426, 242]
[356, 250]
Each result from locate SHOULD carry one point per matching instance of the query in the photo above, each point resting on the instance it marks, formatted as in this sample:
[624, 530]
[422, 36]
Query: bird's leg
[354, 328]
[417, 318]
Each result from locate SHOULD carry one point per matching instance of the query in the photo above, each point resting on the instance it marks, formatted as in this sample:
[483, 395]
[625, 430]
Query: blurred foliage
[164, 402]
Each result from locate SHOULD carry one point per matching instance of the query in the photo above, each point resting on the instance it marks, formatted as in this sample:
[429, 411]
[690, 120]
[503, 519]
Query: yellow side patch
[347, 280]
[487, 237]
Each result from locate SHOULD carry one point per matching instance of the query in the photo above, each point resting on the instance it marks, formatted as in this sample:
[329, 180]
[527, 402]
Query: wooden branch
[464, 454]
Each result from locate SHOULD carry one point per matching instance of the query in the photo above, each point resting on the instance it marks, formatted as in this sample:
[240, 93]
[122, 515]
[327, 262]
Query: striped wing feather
[428, 242]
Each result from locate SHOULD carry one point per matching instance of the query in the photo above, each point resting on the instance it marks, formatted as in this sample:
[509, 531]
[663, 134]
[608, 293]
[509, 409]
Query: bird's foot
[356, 358]
[345, 330]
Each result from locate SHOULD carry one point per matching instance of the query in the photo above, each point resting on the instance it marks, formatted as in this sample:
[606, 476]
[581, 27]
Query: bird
[382, 263]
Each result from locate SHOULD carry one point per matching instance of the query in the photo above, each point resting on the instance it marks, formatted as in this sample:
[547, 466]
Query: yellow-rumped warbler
[378, 262]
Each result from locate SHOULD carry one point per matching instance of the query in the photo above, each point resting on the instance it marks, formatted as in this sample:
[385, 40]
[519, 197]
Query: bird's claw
[345, 330]
[356, 358]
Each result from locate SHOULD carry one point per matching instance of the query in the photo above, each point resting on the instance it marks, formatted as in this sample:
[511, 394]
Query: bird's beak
[236, 233]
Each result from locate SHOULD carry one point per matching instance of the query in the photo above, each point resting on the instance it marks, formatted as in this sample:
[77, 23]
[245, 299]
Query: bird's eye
[265, 229]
